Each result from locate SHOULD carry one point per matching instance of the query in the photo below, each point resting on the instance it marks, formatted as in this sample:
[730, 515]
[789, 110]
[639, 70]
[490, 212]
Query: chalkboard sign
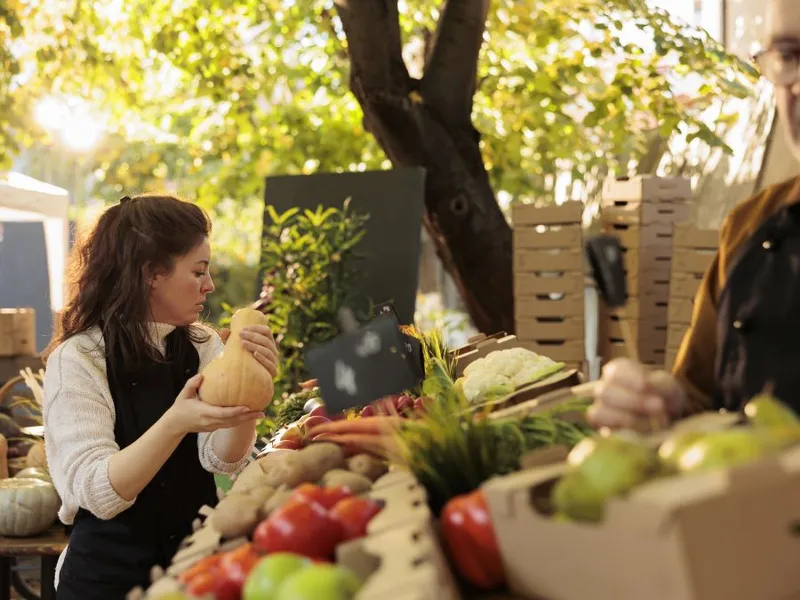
[364, 365]
[394, 202]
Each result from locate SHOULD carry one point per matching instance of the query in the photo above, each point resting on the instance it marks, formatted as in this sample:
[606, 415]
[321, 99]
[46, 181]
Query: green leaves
[311, 267]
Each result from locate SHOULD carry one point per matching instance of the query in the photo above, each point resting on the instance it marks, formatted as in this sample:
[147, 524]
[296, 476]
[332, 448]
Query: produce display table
[47, 547]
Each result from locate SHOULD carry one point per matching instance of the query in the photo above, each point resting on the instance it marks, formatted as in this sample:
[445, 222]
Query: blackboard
[394, 201]
[24, 278]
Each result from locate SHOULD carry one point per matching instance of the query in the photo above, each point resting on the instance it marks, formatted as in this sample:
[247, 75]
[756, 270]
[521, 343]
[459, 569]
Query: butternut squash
[236, 378]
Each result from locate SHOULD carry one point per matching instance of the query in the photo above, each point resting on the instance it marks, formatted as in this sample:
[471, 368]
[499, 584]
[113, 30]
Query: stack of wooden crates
[642, 212]
[693, 251]
[17, 341]
[549, 281]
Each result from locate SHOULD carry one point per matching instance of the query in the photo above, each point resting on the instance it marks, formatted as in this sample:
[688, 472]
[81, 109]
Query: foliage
[311, 267]
[229, 93]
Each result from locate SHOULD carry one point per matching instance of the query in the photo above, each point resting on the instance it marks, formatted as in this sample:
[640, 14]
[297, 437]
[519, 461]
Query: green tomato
[269, 574]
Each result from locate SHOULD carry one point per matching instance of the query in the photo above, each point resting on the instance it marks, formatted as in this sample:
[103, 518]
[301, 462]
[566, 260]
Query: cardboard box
[17, 332]
[559, 259]
[638, 260]
[649, 283]
[656, 235]
[728, 534]
[636, 212]
[535, 284]
[685, 285]
[529, 215]
[639, 308]
[643, 331]
[688, 260]
[558, 350]
[646, 188]
[565, 329]
[571, 305]
[567, 236]
[405, 563]
[688, 236]
[680, 311]
[649, 354]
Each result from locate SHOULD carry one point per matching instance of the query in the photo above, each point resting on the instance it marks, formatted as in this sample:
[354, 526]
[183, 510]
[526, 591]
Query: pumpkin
[28, 506]
[236, 378]
[36, 456]
[35, 473]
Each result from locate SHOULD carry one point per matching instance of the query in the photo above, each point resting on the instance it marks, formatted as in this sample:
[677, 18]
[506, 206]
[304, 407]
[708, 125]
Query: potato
[304, 466]
[236, 515]
[358, 484]
[367, 465]
[274, 502]
[250, 478]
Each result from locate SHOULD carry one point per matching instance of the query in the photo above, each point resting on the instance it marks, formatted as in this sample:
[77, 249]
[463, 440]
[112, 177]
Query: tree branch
[449, 81]
[374, 43]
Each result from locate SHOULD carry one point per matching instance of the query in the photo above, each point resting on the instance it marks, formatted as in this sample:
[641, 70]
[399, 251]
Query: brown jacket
[694, 364]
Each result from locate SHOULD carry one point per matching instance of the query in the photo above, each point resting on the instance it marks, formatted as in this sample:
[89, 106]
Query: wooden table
[47, 547]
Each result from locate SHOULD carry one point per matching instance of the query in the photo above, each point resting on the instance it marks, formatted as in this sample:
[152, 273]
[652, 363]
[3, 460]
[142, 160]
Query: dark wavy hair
[108, 284]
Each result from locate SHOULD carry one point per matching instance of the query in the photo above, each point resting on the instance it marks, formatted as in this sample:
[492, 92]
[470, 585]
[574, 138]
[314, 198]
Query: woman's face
[177, 298]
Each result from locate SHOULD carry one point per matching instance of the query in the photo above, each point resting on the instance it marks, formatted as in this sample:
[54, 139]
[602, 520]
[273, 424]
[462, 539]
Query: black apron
[107, 558]
[758, 332]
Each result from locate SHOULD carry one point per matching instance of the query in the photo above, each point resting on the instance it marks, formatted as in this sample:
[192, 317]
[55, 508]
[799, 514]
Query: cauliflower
[503, 371]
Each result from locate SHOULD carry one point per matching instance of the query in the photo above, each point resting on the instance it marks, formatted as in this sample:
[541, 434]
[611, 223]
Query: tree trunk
[428, 124]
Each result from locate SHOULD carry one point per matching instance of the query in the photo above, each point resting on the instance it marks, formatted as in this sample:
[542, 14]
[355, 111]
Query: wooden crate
[649, 355]
[635, 212]
[555, 259]
[680, 311]
[550, 329]
[527, 215]
[17, 332]
[538, 238]
[536, 284]
[642, 331]
[688, 236]
[655, 235]
[559, 350]
[685, 285]
[546, 306]
[646, 188]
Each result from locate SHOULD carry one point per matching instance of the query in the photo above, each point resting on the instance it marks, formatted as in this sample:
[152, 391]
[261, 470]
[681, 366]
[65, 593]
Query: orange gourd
[236, 378]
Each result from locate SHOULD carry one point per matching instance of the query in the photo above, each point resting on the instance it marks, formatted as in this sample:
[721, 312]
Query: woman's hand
[188, 414]
[629, 396]
[258, 340]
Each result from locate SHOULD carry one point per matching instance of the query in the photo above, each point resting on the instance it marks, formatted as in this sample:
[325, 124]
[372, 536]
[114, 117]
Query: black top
[759, 317]
[107, 558]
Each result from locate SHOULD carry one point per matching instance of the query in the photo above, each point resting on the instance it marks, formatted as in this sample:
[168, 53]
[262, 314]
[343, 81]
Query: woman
[130, 447]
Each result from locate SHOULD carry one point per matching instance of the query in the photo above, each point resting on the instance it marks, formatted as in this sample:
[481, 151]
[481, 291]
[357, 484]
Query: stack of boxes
[642, 212]
[17, 332]
[693, 252]
[549, 281]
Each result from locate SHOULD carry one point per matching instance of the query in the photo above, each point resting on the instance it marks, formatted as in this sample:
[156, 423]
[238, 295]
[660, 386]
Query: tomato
[226, 589]
[468, 535]
[300, 527]
[354, 514]
[327, 498]
[202, 583]
[203, 565]
[290, 444]
[237, 564]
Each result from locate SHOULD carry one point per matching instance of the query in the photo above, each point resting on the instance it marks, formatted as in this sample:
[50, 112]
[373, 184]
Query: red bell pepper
[468, 537]
[327, 498]
[300, 527]
[354, 514]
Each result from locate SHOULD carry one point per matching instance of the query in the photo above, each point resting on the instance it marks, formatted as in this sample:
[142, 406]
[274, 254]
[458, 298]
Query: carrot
[364, 425]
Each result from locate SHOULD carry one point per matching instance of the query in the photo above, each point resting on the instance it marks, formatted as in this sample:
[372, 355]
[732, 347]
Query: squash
[236, 378]
[36, 456]
[27, 506]
[34, 473]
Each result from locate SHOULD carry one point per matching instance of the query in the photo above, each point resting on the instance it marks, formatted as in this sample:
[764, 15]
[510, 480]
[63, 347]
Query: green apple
[320, 582]
[269, 574]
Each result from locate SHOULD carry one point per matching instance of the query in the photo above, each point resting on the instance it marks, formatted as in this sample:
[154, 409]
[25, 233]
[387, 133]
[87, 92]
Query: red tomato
[289, 445]
[226, 589]
[300, 527]
[354, 514]
[327, 498]
[237, 564]
[202, 583]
